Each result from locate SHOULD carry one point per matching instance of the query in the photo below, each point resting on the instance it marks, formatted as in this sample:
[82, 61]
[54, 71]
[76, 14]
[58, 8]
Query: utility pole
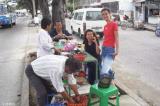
[6, 2]
[73, 5]
[34, 8]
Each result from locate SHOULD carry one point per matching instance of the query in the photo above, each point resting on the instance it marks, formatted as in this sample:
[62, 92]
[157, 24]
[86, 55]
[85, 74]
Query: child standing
[92, 47]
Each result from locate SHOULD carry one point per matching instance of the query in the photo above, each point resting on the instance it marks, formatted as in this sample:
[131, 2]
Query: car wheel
[72, 31]
[10, 25]
[14, 23]
[79, 33]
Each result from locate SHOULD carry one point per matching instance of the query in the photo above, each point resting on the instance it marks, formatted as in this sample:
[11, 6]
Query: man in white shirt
[45, 44]
[51, 68]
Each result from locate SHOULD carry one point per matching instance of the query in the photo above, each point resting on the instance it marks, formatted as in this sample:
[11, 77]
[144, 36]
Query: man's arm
[75, 89]
[73, 85]
[66, 97]
[67, 34]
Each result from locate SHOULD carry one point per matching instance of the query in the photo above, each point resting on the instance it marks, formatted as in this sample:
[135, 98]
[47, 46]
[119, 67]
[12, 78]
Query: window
[93, 15]
[75, 16]
[154, 12]
[3, 9]
[80, 16]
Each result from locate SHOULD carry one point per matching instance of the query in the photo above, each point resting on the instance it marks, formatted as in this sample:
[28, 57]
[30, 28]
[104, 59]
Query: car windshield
[3, 9]
[93, 15]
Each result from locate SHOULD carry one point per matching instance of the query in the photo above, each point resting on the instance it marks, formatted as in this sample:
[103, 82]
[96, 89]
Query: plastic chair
[104, 94]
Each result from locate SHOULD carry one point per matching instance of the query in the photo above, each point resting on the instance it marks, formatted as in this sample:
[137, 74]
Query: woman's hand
[94, 40]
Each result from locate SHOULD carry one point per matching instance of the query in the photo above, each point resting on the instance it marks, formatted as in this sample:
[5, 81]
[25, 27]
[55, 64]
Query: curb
[25, 90]
[149, 29]
[25, 83]
[130, 93]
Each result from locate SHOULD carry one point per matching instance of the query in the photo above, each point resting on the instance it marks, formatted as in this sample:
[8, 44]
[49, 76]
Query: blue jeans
[107, 61]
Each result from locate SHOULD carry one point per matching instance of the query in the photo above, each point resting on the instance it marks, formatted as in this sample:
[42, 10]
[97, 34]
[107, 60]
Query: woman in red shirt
[110, 46]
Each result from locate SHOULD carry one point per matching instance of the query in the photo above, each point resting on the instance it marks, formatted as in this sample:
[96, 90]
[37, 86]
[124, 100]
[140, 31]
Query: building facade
[147, 11]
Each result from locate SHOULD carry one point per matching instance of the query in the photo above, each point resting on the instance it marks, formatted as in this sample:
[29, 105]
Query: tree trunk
[58, 12]
[44, 8]
[34, 7]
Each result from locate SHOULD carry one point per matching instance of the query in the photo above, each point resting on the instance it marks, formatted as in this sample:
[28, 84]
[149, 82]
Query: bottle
[82, 48]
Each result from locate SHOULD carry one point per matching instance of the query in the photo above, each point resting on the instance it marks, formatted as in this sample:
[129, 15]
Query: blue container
[56, 104]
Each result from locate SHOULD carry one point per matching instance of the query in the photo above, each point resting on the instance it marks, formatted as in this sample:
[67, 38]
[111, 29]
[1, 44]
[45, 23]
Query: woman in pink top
[110, 46]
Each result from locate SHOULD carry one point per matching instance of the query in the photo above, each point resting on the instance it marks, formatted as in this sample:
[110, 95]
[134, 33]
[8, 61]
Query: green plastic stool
[104, 94]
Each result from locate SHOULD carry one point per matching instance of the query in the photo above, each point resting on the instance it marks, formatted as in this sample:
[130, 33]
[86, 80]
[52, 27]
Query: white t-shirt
[44, 44]
[51, 68]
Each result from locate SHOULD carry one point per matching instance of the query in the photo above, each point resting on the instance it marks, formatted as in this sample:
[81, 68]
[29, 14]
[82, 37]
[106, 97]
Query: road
[140, 67]
[13, 43]
[137, 65]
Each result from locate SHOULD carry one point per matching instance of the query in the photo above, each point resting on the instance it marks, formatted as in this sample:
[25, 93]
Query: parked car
[7, 15]
[87, 18]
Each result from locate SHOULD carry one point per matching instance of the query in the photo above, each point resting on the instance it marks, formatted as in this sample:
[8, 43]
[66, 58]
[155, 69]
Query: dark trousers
[41, 86]
[91, 72]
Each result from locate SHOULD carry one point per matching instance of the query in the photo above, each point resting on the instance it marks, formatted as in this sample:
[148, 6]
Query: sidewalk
[150, 27]
[128, 98]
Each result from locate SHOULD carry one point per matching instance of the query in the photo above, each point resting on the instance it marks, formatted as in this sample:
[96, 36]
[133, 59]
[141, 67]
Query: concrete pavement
[31, 46]
[150, 27]
[129, 99]
[12, 46]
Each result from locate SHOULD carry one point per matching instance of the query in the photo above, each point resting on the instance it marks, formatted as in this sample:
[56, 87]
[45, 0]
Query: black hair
[85, 41]
[73, 64]
[45, 22]
[106, 9]
[57, 21]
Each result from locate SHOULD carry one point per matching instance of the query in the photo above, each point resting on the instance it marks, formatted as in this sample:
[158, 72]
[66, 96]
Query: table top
[89, 57]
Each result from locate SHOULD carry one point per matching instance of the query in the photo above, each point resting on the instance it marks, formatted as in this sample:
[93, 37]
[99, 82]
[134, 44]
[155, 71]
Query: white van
[87, 18]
